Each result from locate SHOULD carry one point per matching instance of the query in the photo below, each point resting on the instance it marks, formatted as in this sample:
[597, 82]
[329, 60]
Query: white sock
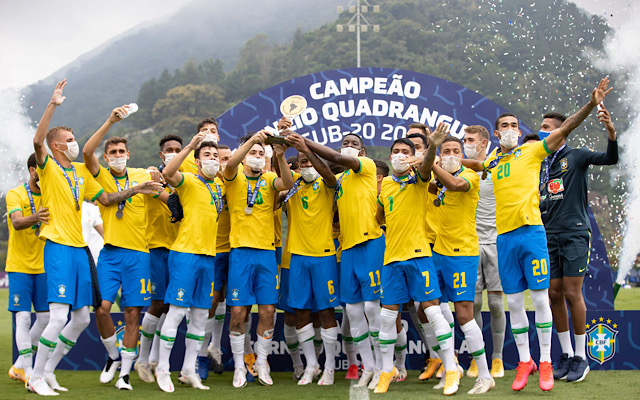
[128, 356]
[111, 345]
[263, 347]
[42, 320]
[79, 321]
[372, 312]
[293, 345]
[388, 337]
[147, 334]
[49, 339]
[498, 324]
[544, 322]
[448, 316]
[218, 326]
[360, 334]
[247, 337]
[519, 325]
[317, 341]
[400, 349]
[154, 353]
[413, 312]
[306, 335]
[193, 339]
[438, 324]
[431, 343]
[347, 340]
[168, 336]
[473, 336]
[330, 340]
[565, 343]
[236, 339]
[208, 331]
[23, 342]
[580, 343]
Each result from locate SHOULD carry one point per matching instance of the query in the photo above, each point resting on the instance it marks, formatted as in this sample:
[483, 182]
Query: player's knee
[81, 319]
[477, 303]
[42, 319]
[372, 310]
[573, 297]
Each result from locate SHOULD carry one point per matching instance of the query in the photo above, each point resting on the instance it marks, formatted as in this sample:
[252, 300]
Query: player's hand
[438, 136]
[600, 92]
[118, 113]
[296, 141]
[284, 123]
[413, 161]
[57, 98]
[149, 187]
[605, 118]
[42, 216]
[156, 175]
[197, 139]
[261, 136]
[278, 149]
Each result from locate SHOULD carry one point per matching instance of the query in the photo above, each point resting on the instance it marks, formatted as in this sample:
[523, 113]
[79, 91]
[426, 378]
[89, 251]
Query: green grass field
[84, 385]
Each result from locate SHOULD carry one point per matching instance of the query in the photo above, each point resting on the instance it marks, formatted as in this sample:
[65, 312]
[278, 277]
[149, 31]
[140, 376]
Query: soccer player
[27, 278]
[563, 184]
[418, 134]
[64, 185]
[313, 273]
[362, 249]
[382, 170]
[124, 260]
[160, 234]
[253, 270]
[476, 140]
[523, 259]
[191, 258]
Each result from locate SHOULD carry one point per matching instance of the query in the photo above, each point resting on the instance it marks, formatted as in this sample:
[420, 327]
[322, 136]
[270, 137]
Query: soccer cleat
[249, 363]
[523, 370]
[440, 372]
[384, 380]
[202, 367]
[472, 372]
[401, 375]
[365, 379]
[451, 382]
[53, 383]
[263, 375]
[546, 376]
[216, 359]
[309, 373]
[123, 383]
[144, 372]
[239, 378]
[327, 377]
[374, 381]
[298, 371]
[163, 378]
[40, 386]
[497, 368]
[109, 370]
[193, 380]
[562, 367]
[578, 371]
[153, 365]
[430, 368]
[440, 384]
[482, 385]
[352, 372]
[17, 374]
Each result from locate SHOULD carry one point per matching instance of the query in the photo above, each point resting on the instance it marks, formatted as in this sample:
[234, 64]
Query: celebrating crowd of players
[202, 234]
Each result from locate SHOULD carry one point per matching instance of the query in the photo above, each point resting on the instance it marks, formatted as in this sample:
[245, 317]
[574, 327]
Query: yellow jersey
[25, 250]
[310, 219]
[199, 227]
[255, 230]
[277, 225]
[285, 261]
[357, 204]
[128, 232]
[65, 225]
[224, 227]
[516, 181]
[406, 235]
[432, 220]
[189, 164]
[337, 239]
[457, 219]
[160, 231]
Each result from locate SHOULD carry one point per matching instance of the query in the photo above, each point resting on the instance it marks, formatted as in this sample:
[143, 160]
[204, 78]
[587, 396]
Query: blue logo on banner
[601, 341]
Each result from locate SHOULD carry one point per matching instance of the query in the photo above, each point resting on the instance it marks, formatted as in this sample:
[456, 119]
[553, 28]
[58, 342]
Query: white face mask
[118, 164]
[309, 174]
[72, 151]
[210, 137]
[168, 157]
[268, 151]
[450, 163]
[349, 151]
[209, 168]
[471, 150]
[509, 139]
[398, 164]
[255, 163]
[419, 154]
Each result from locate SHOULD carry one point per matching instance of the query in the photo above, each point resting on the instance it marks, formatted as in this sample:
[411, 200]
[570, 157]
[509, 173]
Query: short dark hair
[421, 136]
[168, 138]
[209, 144]
[31, 161]
[507, 114]
[205, 121]
[293, 160]
[452, 139]
[244, 139]
[115, 140]
[406, 141]
[359, 138]
[223, 147]
[381, 168]
[425, 129]
[53, 132]
[531, 136]
[557, 116]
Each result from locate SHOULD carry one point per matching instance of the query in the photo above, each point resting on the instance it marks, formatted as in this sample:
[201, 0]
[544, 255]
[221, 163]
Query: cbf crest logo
[517, 153]
[564, 164]
[234, 294]
[601, 340]
[180, 294]
[263, 183]
[16, 299]
[61, 290]
[152, 288]
[81, 181]
[315, 186]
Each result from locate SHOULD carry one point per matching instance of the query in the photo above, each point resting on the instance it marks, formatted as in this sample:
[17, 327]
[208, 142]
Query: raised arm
[285, 180]
[43, 127]
[147, 187]
[231, 169]
[298, 142]
[472, 164]
[453, 183]
[333, 156]
[21, 222]
[435, 140]
[170, 171]
[89, 149]
[556, 137]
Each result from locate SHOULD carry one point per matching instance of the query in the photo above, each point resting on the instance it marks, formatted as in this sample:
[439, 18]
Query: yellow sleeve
[92, 189]
[14, 203]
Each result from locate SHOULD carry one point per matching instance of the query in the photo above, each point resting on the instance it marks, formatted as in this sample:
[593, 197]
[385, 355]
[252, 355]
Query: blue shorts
[221, 271]
[523, 259]
[414, 279]
[68, 275]
[25, 289]
[459, 275]
[283, 297]
[253, 277]
[129, 269]
[360, 268]
[316, 282]
[191, 280]
[279, 255]
[159, 260]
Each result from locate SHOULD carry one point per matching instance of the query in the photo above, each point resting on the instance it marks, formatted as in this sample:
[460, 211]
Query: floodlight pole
[358, 31]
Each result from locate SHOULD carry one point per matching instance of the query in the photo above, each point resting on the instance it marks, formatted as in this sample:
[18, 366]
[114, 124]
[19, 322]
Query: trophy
[290, 108]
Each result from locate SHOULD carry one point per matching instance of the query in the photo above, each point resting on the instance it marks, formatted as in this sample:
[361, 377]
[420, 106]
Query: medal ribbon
[216, 200]
[75, 191]
[293, 190]
[547, 166]
[251, 197]
[339, 185]
[443, 189]
[31, 203]
[412, 178]
[126, 186]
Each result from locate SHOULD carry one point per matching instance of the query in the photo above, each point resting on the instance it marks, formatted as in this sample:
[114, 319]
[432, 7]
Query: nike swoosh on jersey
[376, 291]
[332, 300]
[459, 293]
[540, 280]
[147, 298]
[429, 291]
